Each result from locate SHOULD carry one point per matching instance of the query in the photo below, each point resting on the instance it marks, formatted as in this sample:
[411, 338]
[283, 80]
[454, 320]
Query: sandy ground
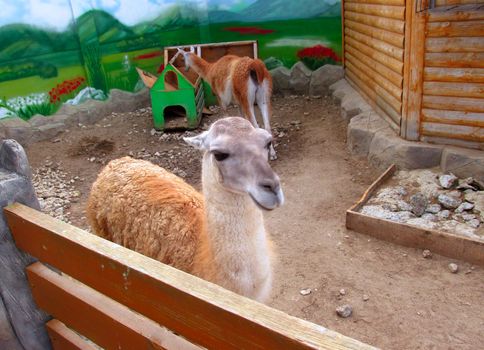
[414, 303]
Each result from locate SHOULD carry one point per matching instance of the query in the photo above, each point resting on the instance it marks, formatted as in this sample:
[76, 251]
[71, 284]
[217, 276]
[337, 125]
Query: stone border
[370, 136]
[40, 128]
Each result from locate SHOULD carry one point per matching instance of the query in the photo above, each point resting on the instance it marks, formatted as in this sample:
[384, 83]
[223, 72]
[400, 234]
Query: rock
[467, 217]
[378, 212]
[429, 217]
[403, 206]
[280, 79]
[272, 63]
[38, 120]
[463, 162]
[464, 206]
[352, 105]
[448, 201]
[47, 132]
[433, 208]
[323, 77]
[342, 291]
[447, 180]
[444, 214]
[366, 297]
[427, 254]
[305, 291]
[387, 148]
[300, 78]
[16, 129]
[88, 93]
[361, 130]
[419, 203]
[474, 223]
[454, 268]
[344, 311]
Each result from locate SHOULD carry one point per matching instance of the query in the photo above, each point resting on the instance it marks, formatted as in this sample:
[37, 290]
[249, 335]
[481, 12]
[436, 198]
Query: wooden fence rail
[120, 299]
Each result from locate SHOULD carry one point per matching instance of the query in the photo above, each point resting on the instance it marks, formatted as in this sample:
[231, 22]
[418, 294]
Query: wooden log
[455, 59]
[394, 78]
[467, 75]
[392, 63]
[453, 142]
[469, 44]
[453, 117]
[451, 13]
[395, 12]
[391, 25]
[107, 323]
[365, 65]
[455, 29]
[201, 312]
[378, 45]
[454, 89]
[380, 34]
[461, 132]
[454, 103]
[63, 338]
[439, 3]
[381, 2]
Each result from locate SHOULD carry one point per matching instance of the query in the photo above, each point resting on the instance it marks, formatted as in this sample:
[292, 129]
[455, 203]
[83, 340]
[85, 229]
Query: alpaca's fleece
[145, 208]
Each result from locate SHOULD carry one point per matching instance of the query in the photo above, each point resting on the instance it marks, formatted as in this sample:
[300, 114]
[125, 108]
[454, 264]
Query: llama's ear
[192, 49]
[198, 142]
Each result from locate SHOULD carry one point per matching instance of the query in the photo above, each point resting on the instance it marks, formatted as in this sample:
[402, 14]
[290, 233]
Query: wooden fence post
[22, 324]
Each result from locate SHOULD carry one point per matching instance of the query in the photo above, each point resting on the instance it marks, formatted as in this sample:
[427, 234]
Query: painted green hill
[263, 10]
[107, 27]
[175, 17]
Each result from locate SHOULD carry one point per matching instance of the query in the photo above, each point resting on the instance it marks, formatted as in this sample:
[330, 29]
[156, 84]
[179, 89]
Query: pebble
[474, 223]
[305, 291]
[366, 297]
[454, 268]
[464, 206]
[342, 291]
[404, 206]
[427, 254]
[444, 214]
[449, 201]
[433, 208]
[447, 180]
[344, 311]
[419, 203]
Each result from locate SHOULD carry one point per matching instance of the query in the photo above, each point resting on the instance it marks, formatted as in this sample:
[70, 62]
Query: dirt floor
[412, 302]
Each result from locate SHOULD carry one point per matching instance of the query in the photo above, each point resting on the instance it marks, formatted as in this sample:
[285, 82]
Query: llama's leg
[264, 102]
[246, 103]
[222, 105]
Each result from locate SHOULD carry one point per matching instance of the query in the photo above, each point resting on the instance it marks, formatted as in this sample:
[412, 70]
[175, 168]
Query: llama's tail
[257, 71]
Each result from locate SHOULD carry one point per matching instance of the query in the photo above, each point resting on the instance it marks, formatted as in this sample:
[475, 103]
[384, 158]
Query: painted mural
[62, 51]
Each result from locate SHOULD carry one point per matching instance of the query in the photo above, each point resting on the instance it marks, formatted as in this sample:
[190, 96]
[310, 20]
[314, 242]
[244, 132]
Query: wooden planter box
[444, 243]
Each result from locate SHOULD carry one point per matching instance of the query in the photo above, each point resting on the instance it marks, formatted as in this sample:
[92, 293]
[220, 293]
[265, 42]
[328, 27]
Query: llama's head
[187, 57]
[236, 156]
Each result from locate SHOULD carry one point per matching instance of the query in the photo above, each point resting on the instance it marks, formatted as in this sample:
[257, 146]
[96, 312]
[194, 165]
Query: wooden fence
[119, 299]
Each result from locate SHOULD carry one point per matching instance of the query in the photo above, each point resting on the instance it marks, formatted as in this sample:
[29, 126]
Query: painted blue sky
[56, 14]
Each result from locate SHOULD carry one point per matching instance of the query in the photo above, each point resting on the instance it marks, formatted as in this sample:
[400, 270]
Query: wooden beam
[381, 2]
[463, 75]
[439, 3]
[453, 29]
[63, 338]
[453, 117]
[454, 103]
[453, 13]
[380, 34]
[469, 44]
[395, 12]
[392, 63]
[454, 89]
[201, 312]
[378, 45]
[455, 59]
[392, 25]
[461, 132]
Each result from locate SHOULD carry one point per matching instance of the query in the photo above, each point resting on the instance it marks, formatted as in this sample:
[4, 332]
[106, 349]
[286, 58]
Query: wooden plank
[372, 81]
[63, 338]
[394, 78]
[415, 65]
[371, 96]
[461, 132]
[453, 13]
[469, 44]
[454, 89]
[454, 103]
[380, 34]
[452, 29]
[409, 12]
[107, 323]
[395, 12]
[453, 142]
[378, 45]
[391, 25]
[455, 59]
[453, 117]
[381, 2]
[201, 312]
[455, 2]
[466, 75]
[392, 63]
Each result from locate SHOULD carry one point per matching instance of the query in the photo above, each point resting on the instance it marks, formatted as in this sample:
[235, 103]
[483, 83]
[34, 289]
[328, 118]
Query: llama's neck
[199, 65]
[236, 239]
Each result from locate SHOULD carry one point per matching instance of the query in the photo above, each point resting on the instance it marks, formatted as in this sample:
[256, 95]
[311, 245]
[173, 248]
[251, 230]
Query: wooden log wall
[453, 75]
[374, 33]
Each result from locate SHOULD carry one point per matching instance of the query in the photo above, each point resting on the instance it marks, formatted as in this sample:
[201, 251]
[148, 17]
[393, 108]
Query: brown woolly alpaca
[242, 80]
[219, 236]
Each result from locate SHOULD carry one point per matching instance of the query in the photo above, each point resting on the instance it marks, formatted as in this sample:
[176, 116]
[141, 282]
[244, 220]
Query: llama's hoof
[273, 157]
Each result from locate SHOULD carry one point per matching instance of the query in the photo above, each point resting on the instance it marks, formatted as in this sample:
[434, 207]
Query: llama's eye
[269, 144]
[220, 156]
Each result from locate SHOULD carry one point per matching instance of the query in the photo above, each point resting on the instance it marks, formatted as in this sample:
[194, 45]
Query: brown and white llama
[219, 236]
[242, 80]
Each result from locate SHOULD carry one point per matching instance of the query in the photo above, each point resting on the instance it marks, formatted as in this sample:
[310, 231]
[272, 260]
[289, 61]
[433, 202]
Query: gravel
[454, 268]
[344, 311]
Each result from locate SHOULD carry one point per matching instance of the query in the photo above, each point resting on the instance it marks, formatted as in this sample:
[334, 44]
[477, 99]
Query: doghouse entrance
[175, 118]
